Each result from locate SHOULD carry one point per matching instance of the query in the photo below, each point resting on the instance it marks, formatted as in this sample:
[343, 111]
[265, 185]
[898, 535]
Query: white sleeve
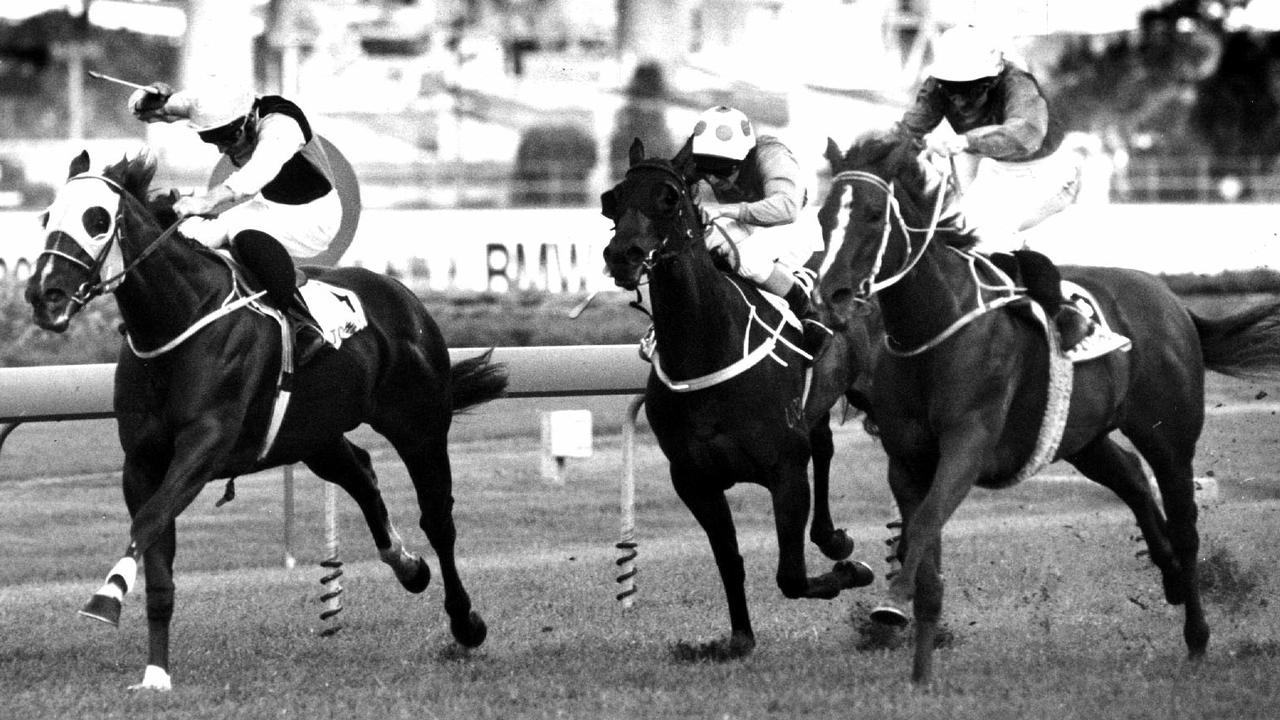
[279, 138]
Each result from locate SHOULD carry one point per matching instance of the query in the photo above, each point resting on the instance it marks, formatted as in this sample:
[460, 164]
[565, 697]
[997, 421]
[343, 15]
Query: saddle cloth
[337, 311]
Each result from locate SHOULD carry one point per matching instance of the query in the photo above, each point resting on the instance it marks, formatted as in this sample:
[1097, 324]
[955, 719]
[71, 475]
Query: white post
[627, 506]
[332, 596]
[289, 559]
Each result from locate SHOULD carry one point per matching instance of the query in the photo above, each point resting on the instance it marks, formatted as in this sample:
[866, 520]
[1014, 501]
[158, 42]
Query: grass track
[1053, 615]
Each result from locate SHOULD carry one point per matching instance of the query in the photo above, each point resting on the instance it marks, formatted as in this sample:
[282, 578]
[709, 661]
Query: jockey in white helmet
[751, 190]
[279, 203]
[1001, 116]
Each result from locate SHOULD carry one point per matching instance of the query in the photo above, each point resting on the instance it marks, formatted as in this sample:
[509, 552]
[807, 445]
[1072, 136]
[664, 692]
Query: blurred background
[488, 128]
[501, 103]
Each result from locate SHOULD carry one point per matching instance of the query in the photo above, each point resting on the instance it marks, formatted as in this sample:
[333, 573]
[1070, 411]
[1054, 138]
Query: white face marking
[85, 209]
[836, 239]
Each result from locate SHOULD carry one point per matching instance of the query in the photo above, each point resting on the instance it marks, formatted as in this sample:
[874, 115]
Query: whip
[116, 80]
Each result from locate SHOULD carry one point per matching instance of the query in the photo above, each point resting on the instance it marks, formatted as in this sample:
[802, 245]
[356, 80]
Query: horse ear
[636, 153]
[609, 204]
[683, 161]
[832, 154]
[79, 165]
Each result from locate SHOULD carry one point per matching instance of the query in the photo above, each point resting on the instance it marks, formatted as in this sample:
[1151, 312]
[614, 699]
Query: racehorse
[960, 405]
[200, 410]
[725, 397]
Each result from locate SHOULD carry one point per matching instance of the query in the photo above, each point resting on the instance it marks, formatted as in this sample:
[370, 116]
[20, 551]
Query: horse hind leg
[1174, 543]
[432, 475]
[349, 467]
[1171, 464]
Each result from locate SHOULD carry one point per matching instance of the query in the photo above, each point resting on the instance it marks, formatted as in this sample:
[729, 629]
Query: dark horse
[963, 408]
[201, 410]
[725, 399]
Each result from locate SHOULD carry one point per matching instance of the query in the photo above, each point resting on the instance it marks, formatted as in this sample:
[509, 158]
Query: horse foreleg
[790, 511]
[710, 509]
[920, 581]
[834, 543]
[158, 565]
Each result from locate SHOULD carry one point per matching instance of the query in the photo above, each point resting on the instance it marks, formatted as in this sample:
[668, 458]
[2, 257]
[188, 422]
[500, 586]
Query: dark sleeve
[925, 112]
[1024, 127]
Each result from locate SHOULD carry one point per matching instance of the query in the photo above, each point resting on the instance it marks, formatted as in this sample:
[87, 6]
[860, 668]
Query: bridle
[869, 285]
[660, 252]
[96, 286]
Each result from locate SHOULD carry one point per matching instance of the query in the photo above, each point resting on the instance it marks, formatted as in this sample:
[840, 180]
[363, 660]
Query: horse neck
[698, 315]
[931, 296]
[168, 290]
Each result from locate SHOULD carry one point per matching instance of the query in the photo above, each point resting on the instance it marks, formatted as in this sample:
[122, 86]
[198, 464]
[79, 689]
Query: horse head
[882, 193]
[654, 215]
[84, 228]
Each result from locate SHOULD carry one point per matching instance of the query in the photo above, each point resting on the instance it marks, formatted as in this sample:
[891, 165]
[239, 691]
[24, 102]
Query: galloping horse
[200, 410]
[960, 405]
[725, 397]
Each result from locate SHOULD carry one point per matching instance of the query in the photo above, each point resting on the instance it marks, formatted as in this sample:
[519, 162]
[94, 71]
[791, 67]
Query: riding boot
[267, 260]
[1080, 338]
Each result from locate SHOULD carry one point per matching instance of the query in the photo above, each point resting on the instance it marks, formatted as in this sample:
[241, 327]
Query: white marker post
[565, 434]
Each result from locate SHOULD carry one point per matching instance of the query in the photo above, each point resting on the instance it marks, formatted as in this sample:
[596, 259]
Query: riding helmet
[723, 132]
[965, 53]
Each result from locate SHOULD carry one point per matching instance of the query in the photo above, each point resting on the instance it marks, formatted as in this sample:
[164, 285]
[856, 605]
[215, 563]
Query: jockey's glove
[946, 145]
[209, 204]
[147, 103]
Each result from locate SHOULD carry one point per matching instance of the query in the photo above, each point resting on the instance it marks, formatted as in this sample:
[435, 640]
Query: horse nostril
[841, 297]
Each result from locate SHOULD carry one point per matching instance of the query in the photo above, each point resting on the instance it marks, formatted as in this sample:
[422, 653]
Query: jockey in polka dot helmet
[750, 190]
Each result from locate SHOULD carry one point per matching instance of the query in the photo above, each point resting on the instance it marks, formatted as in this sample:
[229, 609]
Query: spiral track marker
[627, 502]
[332, 596]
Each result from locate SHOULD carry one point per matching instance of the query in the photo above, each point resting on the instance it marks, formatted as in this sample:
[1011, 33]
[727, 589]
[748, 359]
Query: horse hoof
[854, 574]
[889, 615]
[420, 579]
[104, 609]
[837, 546]
[470, 632]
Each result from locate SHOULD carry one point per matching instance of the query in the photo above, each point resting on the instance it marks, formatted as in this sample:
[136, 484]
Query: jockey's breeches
[759, 250]
[1006, 198]
[304, 230]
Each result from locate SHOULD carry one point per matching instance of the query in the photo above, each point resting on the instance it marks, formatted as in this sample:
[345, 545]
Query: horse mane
[896, 157]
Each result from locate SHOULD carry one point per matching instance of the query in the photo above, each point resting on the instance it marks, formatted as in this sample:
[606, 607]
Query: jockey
[279, 203]
[750, 190]
[1001, 116]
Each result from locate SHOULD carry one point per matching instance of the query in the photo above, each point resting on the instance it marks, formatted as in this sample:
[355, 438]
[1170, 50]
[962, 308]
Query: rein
[893, 210]
[750, 358]
[91, 289]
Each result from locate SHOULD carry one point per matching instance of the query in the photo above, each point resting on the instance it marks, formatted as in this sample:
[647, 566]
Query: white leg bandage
[127, 570]
[154, 678]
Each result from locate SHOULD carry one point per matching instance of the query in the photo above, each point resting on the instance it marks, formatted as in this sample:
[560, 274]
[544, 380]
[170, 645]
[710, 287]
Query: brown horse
[725, 398]
[960, 405]
[193, 399]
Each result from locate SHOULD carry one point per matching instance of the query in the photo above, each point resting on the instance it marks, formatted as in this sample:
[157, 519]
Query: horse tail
[477, 380]
[1245, 344]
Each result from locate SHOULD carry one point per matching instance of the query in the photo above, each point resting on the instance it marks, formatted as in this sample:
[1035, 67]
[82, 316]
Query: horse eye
[96, 221]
